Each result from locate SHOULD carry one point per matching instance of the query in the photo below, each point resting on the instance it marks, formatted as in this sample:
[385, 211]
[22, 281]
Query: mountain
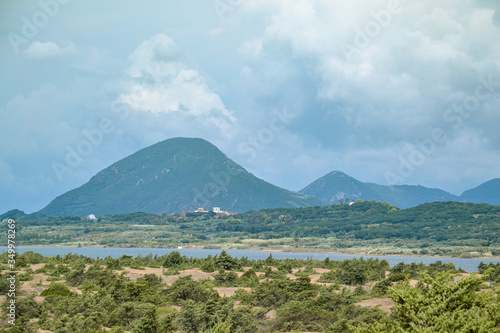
[337, 186]
[171, 176]
[488, 192]
[15, 214]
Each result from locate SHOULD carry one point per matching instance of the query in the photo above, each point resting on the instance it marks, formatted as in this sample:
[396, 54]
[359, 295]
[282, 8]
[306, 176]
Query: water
[469, 265]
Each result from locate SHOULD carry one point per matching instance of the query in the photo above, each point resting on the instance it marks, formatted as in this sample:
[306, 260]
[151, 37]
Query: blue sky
[392, 92]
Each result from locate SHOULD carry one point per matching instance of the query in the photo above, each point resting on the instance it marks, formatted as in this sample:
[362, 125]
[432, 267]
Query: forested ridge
[440, 228]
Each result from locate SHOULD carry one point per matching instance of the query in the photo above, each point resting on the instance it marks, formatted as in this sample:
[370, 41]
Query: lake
[470, 265]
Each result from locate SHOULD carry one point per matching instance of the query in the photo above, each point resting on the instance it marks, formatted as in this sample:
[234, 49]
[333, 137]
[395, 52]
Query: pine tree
[148, 323]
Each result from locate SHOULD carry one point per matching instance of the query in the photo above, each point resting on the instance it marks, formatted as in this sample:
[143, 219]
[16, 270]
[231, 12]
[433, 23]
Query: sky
[390, 92]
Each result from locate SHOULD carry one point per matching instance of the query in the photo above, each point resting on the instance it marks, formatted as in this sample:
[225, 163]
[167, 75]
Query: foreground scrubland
[173, 293]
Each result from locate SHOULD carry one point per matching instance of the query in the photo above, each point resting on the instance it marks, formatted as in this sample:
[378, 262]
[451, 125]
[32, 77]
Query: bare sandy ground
[270, 314]
[314, 278]
[34, 267]
[385, 304]
[196, 274]
[413, 283]
[229, 291]
[31, 287]
[134, 274]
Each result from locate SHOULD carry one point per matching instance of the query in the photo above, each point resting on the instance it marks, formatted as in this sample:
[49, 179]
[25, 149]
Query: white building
[217, 210]
[92, 217]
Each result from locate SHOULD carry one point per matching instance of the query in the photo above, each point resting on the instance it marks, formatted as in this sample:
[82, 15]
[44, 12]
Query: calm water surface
[470, 265]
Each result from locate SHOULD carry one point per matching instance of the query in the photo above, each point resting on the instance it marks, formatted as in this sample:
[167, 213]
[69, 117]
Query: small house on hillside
[220, 212]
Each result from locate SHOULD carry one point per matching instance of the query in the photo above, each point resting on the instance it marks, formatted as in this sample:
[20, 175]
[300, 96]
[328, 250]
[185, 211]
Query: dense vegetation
[225, 294]
[442, 228]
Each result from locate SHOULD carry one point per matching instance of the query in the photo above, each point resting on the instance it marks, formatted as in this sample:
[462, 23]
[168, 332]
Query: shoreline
[298, 250]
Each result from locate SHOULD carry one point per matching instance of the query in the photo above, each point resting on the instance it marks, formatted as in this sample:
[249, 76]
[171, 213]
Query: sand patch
[196, 274]
[314, 278]
[33, 286]
[384, 304]
[76, 290]
[413, 283]
[134, 274]
[229, 291]
[3, 298]
[271, 314]
[34, 267]
[40, 278]
[295, 270]
[369, 285]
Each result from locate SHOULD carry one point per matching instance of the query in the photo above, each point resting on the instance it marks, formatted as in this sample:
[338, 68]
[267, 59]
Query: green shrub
[56, 289]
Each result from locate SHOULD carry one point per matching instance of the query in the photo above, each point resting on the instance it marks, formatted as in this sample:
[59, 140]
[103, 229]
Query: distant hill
[488, 192]
[457, 222]
[172, 176]
[15, 214]
[337, 186]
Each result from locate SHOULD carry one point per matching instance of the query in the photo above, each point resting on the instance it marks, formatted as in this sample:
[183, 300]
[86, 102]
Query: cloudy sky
[392, 92]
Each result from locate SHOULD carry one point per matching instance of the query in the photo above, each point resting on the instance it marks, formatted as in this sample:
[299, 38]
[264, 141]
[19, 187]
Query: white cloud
[252, 48]
[49, 50]
[161, 82]
[389, 95]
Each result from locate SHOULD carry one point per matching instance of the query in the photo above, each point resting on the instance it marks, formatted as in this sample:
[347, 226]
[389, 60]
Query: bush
[185, 288]
[56, 289]
[223, 279]
[174, 258]
[440, 304]
[381, 287]
[249, 279]
[226, 262]
[329, 277]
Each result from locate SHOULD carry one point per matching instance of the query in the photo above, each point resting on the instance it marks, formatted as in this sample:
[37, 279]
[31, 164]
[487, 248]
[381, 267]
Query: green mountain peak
[174, 175]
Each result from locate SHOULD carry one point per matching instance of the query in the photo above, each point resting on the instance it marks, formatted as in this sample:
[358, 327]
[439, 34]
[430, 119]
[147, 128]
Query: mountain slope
[337, 185]
[12, 214]
[174, 175]
[488, 192]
